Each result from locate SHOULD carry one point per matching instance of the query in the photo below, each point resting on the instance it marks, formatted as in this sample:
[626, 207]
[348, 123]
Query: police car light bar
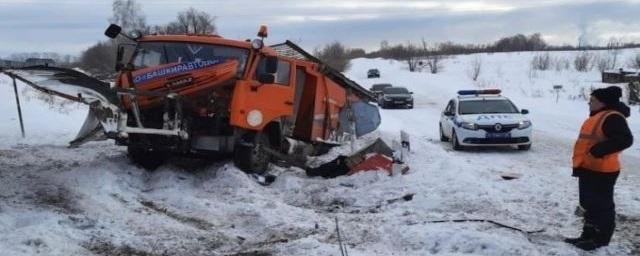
[477, 92]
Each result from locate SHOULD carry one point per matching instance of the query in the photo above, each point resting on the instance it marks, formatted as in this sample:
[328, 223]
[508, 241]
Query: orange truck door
[255, 105]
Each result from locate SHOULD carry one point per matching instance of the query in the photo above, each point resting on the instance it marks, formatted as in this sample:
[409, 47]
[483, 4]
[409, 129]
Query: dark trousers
[596, 197]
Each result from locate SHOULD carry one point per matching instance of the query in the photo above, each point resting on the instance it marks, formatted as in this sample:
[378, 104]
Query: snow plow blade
[73, 85]
[65, 83]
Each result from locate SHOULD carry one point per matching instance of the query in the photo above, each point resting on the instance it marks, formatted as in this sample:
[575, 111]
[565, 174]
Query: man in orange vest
[596, 163]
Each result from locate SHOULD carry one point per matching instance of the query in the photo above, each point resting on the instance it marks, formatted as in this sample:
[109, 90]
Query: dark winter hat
[609, 95]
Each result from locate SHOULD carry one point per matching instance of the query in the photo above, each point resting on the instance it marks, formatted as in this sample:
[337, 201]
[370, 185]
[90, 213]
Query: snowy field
[92, 201]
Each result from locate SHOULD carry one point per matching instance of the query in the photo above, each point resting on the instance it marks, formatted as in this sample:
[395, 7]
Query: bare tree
[536, 43]
[433, 57]
[613, 49]
[334, 55]
[604, 62]
[356, 53]
[434, 62]
[560, 64]
[412, 57]
[190, 21]
[384, 44]
[475, 67]
[541, 62]
[582, 62]
[99, 59]
[128, 15]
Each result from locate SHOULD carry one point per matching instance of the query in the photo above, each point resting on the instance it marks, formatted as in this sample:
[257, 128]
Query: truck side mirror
[113, 31]
[266, 78]
[271, 64]
[524, 111]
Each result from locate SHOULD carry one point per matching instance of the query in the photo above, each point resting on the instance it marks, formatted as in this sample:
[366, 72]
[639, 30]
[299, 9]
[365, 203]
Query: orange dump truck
[206, 95]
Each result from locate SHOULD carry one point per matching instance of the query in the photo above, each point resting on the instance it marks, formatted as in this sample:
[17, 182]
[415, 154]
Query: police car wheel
[454, 141]
[442, 137]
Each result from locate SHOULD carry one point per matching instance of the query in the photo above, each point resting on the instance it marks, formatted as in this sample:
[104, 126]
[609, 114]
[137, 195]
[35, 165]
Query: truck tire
[249, 154]
[148, 159]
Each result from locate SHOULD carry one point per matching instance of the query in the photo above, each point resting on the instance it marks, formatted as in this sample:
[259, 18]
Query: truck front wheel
[250, 154]
[146, 158]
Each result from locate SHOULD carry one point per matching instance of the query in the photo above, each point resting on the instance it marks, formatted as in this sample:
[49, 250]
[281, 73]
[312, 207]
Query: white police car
[484, 118]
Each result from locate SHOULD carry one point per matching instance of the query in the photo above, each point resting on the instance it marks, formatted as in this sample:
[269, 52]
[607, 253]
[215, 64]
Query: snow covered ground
[91, 200]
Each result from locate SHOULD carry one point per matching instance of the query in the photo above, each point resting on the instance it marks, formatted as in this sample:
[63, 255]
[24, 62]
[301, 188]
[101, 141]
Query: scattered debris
[377, 156]
[263, 179]
[510, 176]
[489, 221]
[194, 222]
[343, 248]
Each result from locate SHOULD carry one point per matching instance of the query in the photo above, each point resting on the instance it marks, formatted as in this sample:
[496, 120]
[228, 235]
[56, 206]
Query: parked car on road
[395, 97]
[373, 73]
[484, 118]
[376, 89]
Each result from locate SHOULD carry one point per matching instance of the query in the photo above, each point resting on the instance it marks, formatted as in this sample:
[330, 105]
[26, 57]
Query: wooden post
[15, 90]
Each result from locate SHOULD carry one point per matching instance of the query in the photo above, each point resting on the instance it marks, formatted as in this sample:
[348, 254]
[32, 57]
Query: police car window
[449, 107]
[486, 107]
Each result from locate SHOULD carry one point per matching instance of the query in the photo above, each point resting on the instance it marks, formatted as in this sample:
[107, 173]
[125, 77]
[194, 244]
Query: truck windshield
[150, 54]
[468, 107]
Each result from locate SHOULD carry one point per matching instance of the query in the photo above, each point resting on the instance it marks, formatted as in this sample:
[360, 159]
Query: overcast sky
[70, 26]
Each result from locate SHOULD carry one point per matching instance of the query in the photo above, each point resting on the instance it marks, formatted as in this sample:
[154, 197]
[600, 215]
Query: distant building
[39, 62]
[28, 63]
[11, 64]
[620, 76]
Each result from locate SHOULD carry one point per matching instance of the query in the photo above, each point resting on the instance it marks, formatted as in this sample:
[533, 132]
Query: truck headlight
[254, 118]
[469, 126]
[524, 124]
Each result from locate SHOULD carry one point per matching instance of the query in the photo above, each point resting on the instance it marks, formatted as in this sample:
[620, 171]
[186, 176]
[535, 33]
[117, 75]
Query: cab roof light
[478, 92]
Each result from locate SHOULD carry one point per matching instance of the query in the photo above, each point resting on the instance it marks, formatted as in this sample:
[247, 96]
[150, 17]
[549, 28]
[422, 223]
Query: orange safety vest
[590, 134]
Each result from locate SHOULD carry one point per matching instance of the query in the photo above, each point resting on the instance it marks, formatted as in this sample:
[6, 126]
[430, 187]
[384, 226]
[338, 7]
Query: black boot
[589, 244]
[574, 240]
[588, 233]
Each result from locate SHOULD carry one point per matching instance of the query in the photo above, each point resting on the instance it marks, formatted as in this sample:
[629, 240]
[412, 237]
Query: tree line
[429, 55]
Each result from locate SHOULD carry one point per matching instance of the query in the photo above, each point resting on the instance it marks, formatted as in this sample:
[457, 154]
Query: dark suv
[395, 97]
[373, 73]
[376, 89]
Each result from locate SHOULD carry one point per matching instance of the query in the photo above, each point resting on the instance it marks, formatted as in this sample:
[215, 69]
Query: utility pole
[15, 90]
